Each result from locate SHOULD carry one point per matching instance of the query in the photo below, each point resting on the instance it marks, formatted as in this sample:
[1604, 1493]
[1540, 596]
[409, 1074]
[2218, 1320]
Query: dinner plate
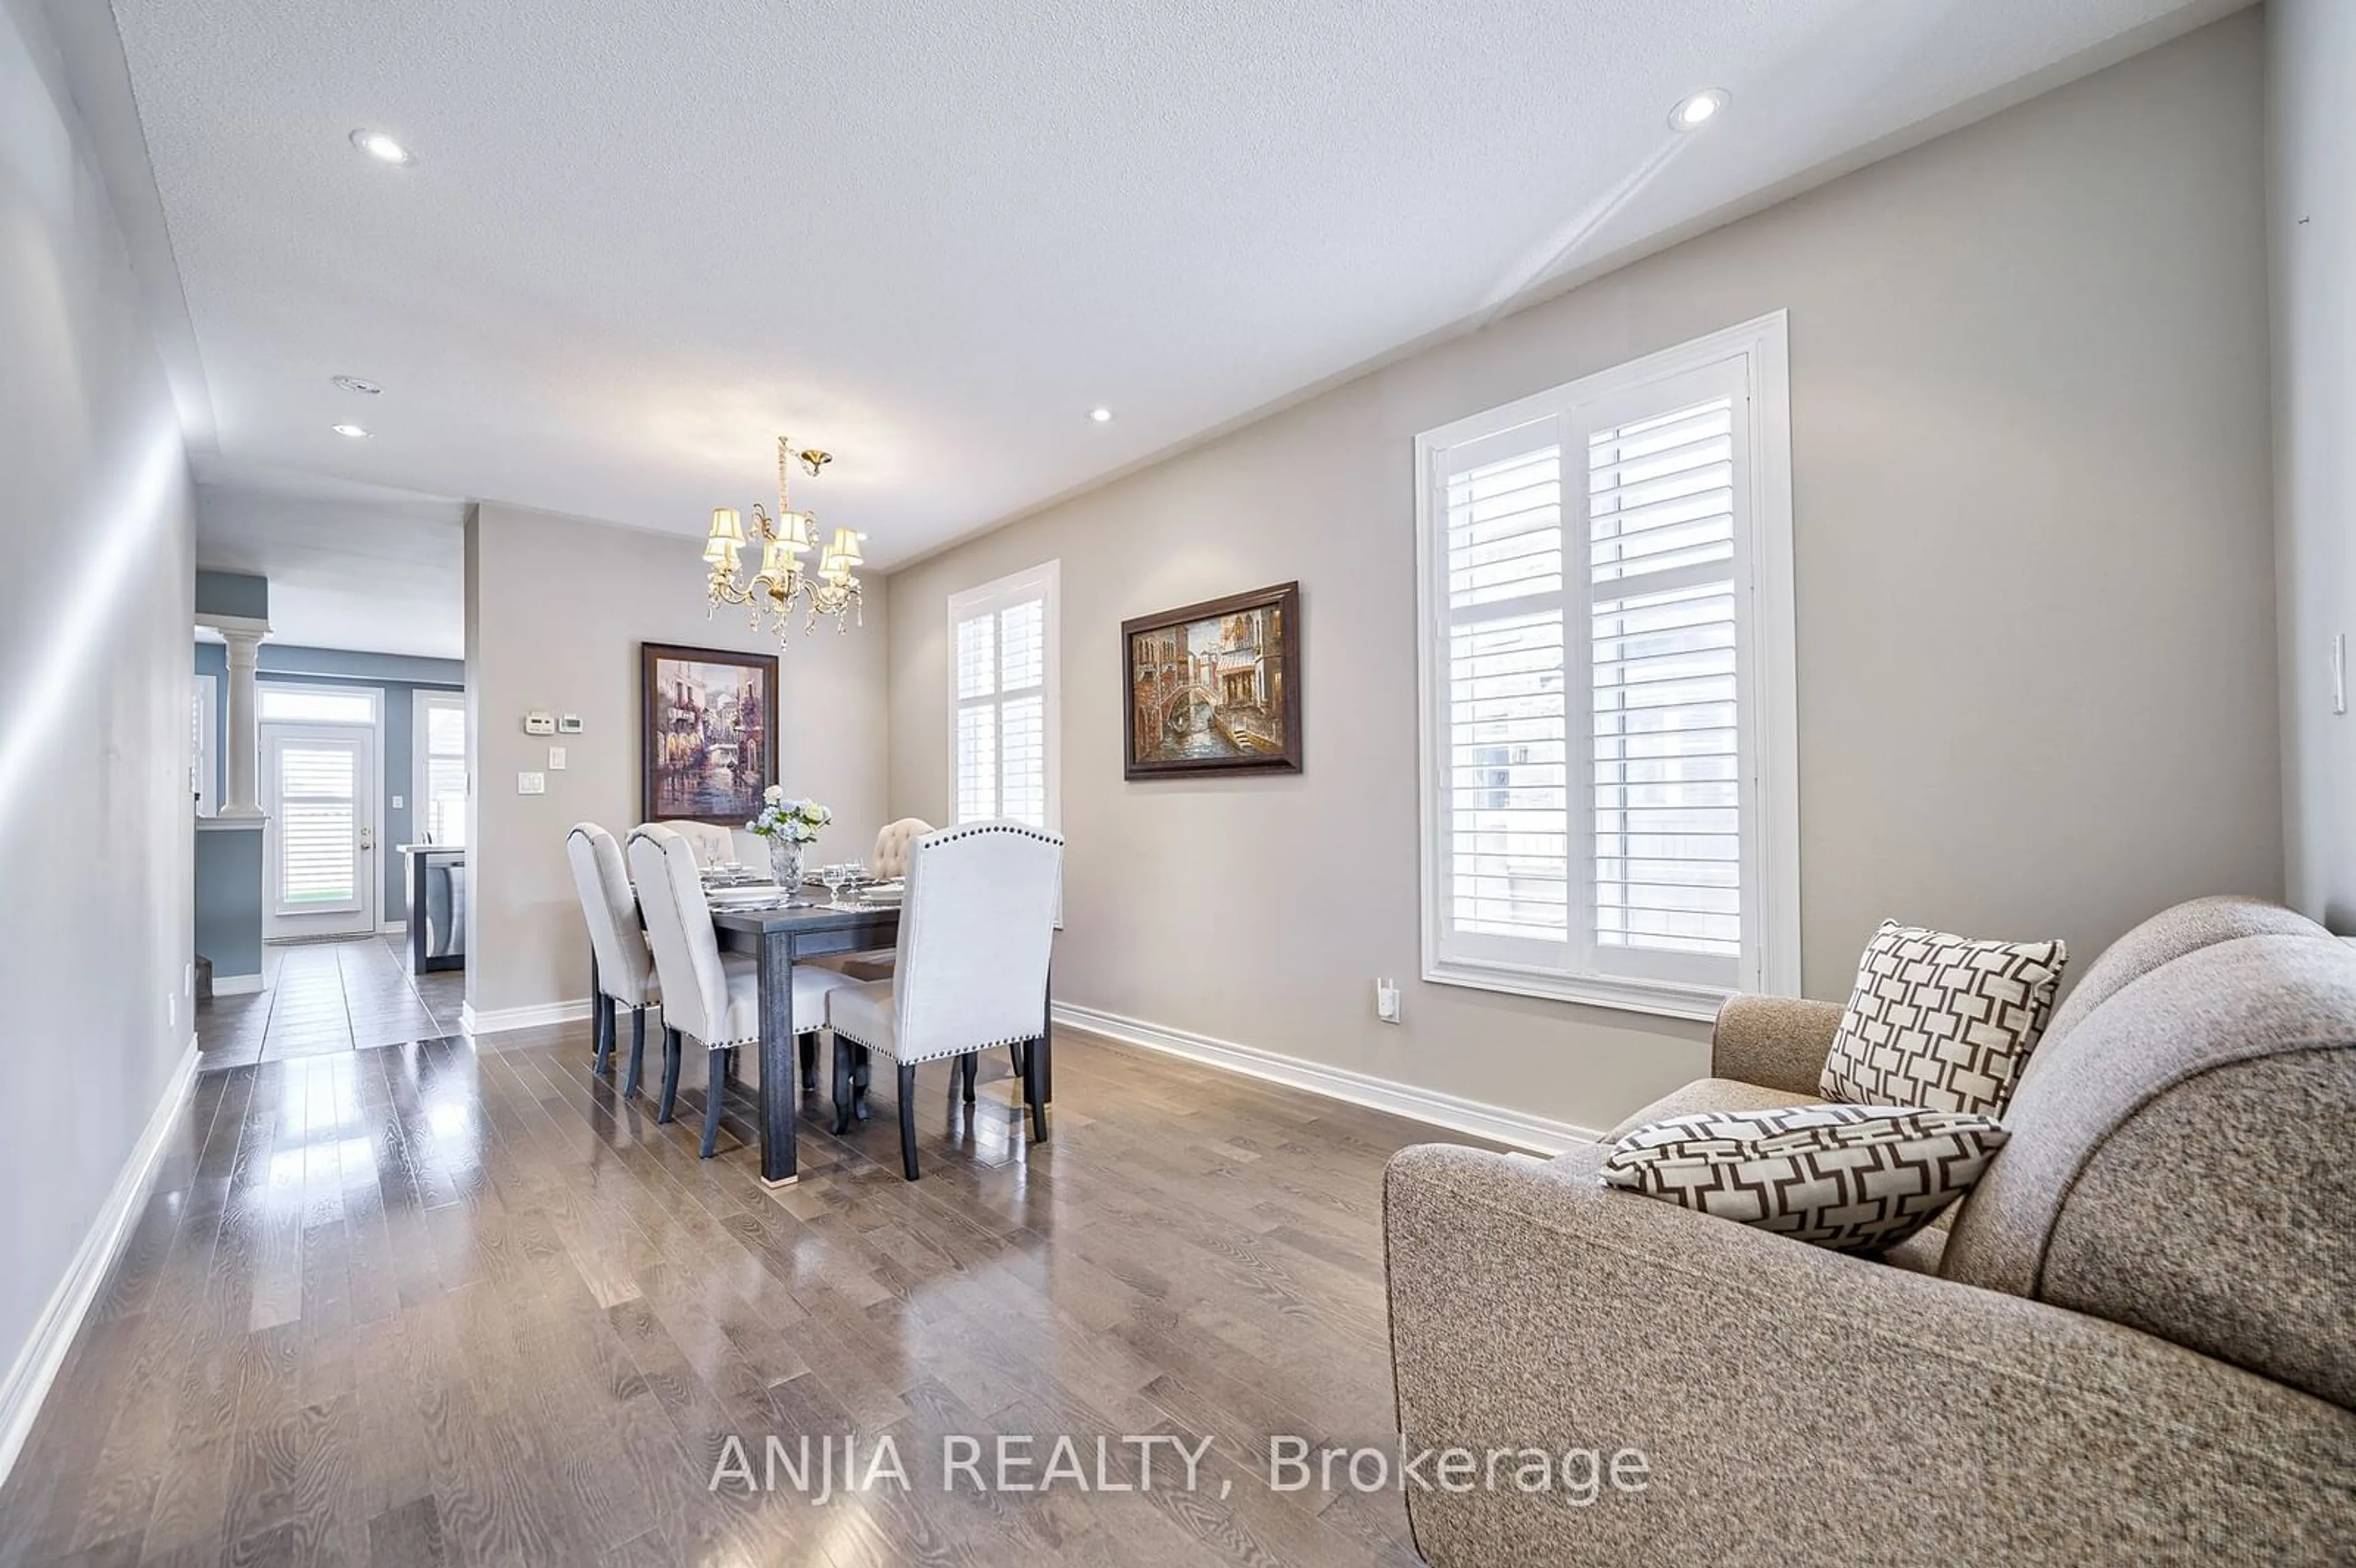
[750, 893]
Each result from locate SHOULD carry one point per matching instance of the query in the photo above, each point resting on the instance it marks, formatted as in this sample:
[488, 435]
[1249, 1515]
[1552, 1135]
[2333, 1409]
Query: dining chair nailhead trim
[951, 835]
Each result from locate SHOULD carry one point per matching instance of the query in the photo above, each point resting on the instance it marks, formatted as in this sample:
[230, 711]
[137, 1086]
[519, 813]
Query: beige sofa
[2135, 1343]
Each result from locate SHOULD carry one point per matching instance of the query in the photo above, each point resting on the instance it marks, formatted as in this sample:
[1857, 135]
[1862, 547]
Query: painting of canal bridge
[1216, 687]
[709, 744]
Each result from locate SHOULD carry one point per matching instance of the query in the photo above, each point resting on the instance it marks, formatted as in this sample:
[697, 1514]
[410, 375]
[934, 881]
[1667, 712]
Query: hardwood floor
[422, 1305]
[321, 997]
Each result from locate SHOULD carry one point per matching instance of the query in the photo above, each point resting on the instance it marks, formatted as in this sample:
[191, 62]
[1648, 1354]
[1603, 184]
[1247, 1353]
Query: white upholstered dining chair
[977, 927]
[710, 996]
[714, 843]
[890, 859]
[625, 965]
[888, 863]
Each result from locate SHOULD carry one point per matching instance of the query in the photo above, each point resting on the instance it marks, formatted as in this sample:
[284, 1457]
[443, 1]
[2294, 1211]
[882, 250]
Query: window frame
[1767, 694]
[421, 702]
[267, 685]
[1045, 582]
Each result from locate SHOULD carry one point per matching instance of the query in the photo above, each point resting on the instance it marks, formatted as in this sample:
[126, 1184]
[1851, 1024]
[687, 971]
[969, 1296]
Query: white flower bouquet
[793, 821]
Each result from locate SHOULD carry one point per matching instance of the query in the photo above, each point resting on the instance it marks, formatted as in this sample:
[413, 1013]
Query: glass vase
[786, 863]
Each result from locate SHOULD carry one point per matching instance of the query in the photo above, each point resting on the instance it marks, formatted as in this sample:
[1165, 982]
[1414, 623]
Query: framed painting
[1214, 687]
[709, 738]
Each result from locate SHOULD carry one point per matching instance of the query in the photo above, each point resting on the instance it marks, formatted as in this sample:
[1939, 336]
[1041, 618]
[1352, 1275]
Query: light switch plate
[531, 784]
[397, 803]
[556, 759]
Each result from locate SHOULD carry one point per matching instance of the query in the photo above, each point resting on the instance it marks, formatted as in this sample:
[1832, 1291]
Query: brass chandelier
[781, 582]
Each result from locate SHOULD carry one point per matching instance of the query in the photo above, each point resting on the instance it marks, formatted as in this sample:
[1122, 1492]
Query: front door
[318, 783]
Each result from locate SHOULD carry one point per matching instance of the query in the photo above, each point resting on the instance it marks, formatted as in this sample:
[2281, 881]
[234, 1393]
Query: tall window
[1003, 708]
[1610, 808]
[438, 739]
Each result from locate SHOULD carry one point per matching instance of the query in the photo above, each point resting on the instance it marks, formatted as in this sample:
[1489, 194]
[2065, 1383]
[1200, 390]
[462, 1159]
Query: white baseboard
[500, 1020]
[37, 1364]
[236, 984]
[1493, 1122]
[393, 928]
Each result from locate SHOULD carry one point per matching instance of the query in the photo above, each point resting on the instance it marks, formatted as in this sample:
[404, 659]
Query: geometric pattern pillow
[1942, 1021]
[1855, 1178]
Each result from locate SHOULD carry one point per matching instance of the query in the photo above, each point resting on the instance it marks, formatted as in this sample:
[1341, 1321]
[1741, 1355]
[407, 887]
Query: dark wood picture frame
[1270, 743]
[650, 731]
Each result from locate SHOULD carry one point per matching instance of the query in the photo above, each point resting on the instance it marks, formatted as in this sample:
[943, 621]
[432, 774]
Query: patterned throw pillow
[1941, 1021]
[1855, 1178]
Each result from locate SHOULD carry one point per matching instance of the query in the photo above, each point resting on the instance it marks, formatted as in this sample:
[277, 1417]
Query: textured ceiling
[643, 236]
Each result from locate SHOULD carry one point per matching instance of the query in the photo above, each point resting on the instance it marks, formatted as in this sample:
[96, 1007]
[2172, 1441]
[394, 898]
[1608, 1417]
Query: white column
[241, 767]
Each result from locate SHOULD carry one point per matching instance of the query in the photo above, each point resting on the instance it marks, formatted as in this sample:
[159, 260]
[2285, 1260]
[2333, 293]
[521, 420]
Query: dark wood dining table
[780, 937]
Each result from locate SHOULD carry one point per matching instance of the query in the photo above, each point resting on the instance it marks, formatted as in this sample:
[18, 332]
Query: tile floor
[320, 997]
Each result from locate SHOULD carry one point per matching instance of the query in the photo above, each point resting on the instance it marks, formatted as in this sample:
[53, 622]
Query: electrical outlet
[531, 784]
[188, 980]
[398, 803]
[1386, 1001]
[2340, 673]
[171, 1010]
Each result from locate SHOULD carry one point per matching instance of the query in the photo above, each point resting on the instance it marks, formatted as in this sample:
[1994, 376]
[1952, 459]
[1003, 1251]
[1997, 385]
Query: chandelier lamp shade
[783, 580]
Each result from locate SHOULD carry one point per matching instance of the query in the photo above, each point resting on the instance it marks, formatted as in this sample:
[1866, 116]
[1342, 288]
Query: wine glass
[829, 876]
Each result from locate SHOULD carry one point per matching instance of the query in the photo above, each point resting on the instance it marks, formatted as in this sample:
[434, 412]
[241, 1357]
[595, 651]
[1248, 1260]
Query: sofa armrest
[1778, 1042]
[1796, 1406]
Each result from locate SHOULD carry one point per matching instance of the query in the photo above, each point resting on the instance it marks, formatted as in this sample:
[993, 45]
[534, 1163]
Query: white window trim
[1769, 699]
[421, 702]
[1043, 581]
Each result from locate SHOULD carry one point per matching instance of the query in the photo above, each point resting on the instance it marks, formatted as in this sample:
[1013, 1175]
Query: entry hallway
[424, 1303]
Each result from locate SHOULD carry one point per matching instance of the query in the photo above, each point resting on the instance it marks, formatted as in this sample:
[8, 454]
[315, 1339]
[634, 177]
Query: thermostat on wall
[569, 725]
[537, 723]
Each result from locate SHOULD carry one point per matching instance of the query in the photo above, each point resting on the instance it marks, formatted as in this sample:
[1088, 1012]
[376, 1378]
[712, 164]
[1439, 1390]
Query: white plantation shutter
[1602, 692]
[202, 773]
[1002, 677]
[1508, 840]
[1668, 838]
[317, 813]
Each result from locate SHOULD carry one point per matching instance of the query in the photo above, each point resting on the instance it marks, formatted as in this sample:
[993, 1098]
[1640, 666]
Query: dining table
[811, 925]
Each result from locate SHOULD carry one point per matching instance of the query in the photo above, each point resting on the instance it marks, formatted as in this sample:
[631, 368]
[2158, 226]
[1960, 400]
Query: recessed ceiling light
[354, 384]
[1100, 415]
[1693, 113]
[382, 147]
[352, 431]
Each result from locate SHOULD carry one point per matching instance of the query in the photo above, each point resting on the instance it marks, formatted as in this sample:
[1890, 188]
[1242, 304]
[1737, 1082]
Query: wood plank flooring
[323, 997]
[424, 1305]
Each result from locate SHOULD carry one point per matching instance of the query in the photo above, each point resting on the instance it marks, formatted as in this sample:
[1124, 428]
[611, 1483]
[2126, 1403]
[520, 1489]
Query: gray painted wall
[2311, 72]
[2034, 582]
[229, 900]
[95, 601]
[399, 676]
[556, 610]
[237, 594]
